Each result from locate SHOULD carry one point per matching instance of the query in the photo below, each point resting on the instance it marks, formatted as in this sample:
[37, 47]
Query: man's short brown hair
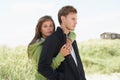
[65, 11]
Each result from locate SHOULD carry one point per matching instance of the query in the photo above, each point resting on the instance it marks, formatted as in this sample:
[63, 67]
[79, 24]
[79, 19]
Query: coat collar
[61, 35]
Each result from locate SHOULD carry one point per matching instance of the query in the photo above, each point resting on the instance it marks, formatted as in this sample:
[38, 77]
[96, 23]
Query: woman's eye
[45, 26]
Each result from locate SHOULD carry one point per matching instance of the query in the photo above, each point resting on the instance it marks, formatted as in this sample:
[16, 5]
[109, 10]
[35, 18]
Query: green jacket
[34, 51]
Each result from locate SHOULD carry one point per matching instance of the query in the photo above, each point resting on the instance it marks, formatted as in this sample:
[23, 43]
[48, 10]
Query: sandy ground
[114, 76]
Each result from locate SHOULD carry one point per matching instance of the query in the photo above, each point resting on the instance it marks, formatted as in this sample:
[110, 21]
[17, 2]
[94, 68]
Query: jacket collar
[61, 35]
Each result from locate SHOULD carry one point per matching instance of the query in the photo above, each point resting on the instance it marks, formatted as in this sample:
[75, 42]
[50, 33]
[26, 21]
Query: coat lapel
[73, 67]
[72, 63]
[79, 62]
[76, 54]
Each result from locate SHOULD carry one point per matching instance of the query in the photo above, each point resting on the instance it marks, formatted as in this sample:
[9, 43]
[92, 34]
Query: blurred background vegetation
[98, 56]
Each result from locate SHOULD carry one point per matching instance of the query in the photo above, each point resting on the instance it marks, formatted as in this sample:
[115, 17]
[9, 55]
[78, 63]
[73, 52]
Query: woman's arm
[57, 61]
[64, 51]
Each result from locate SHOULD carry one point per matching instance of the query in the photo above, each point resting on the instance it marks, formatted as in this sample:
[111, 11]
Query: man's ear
[62, 18]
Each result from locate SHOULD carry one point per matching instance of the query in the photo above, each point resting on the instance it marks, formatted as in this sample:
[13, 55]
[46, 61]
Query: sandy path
[114, 76]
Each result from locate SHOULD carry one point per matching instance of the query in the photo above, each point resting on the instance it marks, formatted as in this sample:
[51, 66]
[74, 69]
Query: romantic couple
[55, 51]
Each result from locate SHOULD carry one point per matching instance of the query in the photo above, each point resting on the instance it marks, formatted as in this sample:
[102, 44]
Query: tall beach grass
[98, 56]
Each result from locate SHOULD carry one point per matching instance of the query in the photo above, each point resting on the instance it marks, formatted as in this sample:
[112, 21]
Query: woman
[44, 28]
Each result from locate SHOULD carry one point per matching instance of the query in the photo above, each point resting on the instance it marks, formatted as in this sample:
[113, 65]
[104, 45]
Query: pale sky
[18, 18]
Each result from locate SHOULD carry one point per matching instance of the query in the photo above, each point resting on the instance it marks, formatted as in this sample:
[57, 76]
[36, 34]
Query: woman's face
[47, 28]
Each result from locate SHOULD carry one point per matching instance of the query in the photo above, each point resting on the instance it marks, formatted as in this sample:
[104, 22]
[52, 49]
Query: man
[71, 68]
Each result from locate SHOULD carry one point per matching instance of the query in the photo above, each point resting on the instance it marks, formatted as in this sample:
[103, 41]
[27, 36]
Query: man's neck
[65, 30]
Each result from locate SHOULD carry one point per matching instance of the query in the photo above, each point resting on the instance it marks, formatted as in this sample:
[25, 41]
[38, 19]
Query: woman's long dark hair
[38, 33]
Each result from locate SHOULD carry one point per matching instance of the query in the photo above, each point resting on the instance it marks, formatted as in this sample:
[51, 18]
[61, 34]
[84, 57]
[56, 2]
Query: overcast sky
[18, 18]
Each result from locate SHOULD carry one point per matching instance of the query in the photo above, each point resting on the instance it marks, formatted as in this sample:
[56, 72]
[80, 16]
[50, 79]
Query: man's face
[70, 21]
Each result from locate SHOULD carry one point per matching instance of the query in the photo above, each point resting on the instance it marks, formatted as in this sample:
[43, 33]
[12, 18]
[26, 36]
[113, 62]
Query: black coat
[68, 69]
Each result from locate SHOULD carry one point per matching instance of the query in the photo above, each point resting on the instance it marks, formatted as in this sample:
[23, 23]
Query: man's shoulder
[57, 34]
[52, 37]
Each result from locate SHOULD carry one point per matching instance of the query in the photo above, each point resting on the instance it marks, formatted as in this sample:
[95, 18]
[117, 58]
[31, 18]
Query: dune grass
[14, 64]
[98, 56]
